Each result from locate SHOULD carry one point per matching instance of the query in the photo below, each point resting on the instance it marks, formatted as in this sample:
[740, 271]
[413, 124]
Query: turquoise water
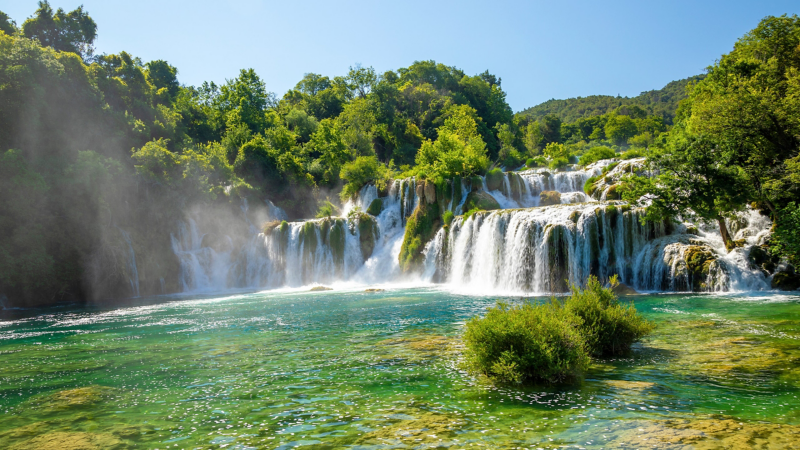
[349, 369]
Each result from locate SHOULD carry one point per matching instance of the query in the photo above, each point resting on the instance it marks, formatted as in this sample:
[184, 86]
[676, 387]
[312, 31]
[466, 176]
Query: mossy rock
[320, 288]
[375, 207]
[68, 440]
[475, 183]
[691, 229]
[421, 226]
[267, 227]
[73, 398]
[612, 194]
[547, 198]
[698, 262]
[494, 179]
[575, 216]
[481, 200]
[786, 281]
[623, 289]
[367, 235]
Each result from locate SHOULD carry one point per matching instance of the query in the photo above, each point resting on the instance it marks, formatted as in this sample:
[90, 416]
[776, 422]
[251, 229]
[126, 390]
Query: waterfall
[521, 249]
[130, 260]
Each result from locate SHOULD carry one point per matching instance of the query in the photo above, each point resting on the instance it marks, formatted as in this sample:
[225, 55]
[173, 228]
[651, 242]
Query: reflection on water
[382, 370]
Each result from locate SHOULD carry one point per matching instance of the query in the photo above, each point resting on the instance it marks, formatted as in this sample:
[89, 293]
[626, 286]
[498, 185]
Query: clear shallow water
[349, 369]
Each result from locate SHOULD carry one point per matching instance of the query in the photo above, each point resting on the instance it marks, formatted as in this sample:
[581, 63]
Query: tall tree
[73, 31]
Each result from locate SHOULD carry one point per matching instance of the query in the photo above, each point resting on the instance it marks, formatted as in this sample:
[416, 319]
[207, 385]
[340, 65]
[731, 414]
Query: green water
[382, 370]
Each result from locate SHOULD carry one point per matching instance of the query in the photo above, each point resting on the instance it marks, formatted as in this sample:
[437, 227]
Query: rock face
[481, 200]
[787, 280]
[430, 192]
[698, 262]
[547, 198]
[494, 180]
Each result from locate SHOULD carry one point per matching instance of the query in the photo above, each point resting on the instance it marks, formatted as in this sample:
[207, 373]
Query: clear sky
[542, 50]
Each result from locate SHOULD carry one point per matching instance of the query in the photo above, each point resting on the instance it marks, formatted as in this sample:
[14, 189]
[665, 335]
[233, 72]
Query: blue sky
[542, 50]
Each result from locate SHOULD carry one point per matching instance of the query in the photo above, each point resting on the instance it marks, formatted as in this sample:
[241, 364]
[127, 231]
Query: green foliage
[595, 154]
[326, 210]
[526, 344]
[358, 173]
[558, 163]
[7, 25]
[662, 103]
[552, 342]
[72, 31]
[471, 212]
[555, 150]
[588, 186]
[785, 240]
[631, 154]
[608, 326]
[447, 218]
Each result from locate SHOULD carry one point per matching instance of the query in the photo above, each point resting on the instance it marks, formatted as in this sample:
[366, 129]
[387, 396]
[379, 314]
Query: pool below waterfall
[380, 370]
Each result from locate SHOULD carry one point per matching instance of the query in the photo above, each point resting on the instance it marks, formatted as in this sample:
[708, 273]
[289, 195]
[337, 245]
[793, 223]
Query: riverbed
[379, 370]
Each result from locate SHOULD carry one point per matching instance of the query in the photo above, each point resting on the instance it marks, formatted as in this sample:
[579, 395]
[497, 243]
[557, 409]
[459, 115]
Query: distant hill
[662, 102]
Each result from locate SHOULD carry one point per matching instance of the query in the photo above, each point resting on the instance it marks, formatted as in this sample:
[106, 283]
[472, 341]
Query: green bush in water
[558, 163]
[526, 344]
[471, 213]
[552, 342]
[609, 328]
[595, 154]
[447, 217]
[375, 207]
[420, 228]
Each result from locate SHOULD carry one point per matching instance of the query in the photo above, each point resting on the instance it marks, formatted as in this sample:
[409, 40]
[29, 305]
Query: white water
[533, 250]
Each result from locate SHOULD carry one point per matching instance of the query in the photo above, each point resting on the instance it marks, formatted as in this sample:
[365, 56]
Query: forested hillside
[660, 102]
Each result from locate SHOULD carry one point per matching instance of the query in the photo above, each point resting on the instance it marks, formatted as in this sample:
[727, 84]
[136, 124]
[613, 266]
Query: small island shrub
[588, 187]
[608, 326]
[552, 342]
[526, 344]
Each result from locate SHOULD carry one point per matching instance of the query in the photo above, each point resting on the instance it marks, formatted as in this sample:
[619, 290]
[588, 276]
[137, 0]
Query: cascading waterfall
[528, 249]
[132, 270]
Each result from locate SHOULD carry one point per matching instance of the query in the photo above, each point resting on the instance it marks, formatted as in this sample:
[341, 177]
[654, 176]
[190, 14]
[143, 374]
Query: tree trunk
[726, 237]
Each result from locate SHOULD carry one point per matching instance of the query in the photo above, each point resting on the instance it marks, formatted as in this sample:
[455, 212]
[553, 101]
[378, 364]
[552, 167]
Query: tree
[7, 25]
[163, 76]
[620, 128]
[550, 127]
[693, 178]
[361, 80]
[750, 103]
[313, 83]
[73, 32]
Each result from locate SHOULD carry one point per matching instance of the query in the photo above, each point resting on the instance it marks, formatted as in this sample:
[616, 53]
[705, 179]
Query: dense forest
[660, 102]
[101, 152]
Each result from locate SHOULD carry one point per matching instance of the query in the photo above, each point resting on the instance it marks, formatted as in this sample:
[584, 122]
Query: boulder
[480, 200]
[320, 288]
[547, 198]
[430, 192]
[494, 180]
[786, 280]
[623, 289]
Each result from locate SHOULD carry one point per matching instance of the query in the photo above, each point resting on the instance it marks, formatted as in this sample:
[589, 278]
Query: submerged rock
[320, 288]
[63, 440]
[629, 385]
[374, 290]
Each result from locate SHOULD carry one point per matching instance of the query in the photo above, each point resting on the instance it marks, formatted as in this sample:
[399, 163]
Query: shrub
[610, 167]
[632, 153]
[526, 343]
[595, 154]
[608, 327]
[471, 213]
[530, 163]
[559, 163]
[786, 238]
[552, 342]
[327, 209]
[447, 217]
[588, 187]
